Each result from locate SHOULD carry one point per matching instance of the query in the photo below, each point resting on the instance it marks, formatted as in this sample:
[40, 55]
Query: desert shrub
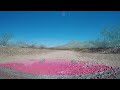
[109, 37]
[76, 49]
[99, 43]
[42, 46]
[22, 44]
[112, 35]
[25, 44]
[5, 38]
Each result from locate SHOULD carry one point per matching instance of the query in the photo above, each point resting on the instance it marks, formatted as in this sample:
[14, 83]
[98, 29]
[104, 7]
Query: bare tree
[112, 35]
[5, 38]
[109, 37]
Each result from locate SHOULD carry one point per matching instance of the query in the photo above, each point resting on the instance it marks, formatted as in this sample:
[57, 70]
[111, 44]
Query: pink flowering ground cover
[55, 67]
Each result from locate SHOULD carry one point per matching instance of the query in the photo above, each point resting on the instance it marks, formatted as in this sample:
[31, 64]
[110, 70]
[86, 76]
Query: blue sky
[53, 28]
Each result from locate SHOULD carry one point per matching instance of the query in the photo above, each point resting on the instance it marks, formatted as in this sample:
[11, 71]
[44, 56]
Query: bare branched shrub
[22, 44]
[5, 38]
[109, 37]
[32, 44]
[99, 43]
[42, 46]
[112, 35]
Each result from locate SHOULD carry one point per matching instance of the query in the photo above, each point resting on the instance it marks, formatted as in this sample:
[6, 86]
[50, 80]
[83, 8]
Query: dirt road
[15, 73]
[107, 59]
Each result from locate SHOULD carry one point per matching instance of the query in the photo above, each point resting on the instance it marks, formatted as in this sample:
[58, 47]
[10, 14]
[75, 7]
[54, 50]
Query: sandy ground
[107, 59]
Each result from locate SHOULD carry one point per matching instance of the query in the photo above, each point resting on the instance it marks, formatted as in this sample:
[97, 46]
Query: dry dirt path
[107, 59]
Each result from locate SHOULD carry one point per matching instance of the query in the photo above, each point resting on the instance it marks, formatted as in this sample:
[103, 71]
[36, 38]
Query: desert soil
[106, 59]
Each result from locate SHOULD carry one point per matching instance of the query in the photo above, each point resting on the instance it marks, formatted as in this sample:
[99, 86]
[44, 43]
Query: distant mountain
[71, 44]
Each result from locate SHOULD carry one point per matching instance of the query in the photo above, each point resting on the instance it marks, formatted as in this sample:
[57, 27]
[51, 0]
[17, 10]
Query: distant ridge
[71, 44]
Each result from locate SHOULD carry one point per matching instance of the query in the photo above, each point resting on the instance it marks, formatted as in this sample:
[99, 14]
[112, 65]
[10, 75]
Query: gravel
[109, 74]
